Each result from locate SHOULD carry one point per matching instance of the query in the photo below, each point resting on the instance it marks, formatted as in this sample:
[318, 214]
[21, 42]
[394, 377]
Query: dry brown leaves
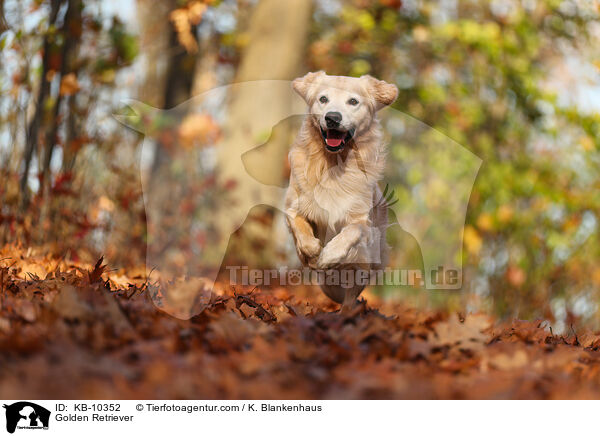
[79, 331]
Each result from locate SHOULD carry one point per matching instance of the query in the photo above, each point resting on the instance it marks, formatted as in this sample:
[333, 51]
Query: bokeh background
[516, 82]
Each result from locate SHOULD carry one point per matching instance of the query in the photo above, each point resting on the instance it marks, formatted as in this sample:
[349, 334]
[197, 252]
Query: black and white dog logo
[26, 415]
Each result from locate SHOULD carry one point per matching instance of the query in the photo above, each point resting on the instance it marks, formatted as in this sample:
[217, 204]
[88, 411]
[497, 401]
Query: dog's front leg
[343, 247]
[307, 245]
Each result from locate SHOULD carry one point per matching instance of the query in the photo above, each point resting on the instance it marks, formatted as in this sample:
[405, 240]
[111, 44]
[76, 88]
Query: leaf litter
[72, 330]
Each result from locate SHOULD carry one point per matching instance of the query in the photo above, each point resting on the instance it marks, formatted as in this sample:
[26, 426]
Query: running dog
[334, 208]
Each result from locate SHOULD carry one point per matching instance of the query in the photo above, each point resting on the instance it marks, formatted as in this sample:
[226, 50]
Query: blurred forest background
[514, 81]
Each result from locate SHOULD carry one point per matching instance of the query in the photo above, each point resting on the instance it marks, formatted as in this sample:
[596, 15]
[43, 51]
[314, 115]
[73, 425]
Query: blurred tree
[275, 50]
[154, 40]
[52, 48]
[182, 51]
[70, 33]
[3, 24]
[44, 89]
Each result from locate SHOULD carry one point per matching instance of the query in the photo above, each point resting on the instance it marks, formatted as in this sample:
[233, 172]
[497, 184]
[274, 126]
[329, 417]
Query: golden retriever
[334, 207]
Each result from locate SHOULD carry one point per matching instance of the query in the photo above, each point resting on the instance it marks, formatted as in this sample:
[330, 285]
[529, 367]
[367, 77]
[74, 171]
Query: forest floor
[71, 331]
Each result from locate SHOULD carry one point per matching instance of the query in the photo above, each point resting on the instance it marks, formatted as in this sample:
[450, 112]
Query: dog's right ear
[302, 84]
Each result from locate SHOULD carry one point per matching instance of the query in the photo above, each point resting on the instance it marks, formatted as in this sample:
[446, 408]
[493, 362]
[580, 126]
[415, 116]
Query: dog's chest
[333, 197]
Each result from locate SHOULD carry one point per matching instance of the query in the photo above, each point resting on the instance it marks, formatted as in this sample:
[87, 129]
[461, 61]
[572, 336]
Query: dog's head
[342, 107]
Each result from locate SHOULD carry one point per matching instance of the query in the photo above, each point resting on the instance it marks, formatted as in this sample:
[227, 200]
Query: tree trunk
[154, 40]
[36, 121]
[71, 39]
[3, 24]
[277, 32]
[179, 82]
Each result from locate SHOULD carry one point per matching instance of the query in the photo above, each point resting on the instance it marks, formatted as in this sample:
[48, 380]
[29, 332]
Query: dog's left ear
[384, 93]
[302, 84]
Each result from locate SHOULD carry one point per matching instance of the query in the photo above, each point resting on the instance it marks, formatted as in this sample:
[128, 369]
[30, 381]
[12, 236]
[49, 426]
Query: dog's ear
[384, 93]
[302, 84]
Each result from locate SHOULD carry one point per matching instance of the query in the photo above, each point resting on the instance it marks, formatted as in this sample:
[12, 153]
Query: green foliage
[125, 44]
[478, 73]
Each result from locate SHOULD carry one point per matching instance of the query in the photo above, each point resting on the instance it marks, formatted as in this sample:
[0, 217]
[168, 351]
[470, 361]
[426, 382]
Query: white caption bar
[149, 417]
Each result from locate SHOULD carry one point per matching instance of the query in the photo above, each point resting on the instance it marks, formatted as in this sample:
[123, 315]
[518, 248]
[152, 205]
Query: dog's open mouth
[335, 140]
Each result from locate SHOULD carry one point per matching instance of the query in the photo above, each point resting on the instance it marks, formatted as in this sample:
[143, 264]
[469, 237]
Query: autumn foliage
[72, 330]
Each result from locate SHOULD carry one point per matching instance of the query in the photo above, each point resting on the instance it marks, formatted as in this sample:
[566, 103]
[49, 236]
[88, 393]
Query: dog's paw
[309, 247]
[331, 256]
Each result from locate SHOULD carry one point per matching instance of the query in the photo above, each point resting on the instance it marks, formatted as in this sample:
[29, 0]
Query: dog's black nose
[333, 119]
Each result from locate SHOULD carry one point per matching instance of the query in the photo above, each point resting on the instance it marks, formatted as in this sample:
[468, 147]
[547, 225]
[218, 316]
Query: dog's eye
[323, 99]
[353, 102]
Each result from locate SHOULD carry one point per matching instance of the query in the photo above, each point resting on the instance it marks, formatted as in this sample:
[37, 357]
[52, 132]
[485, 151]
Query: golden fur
[334, 208]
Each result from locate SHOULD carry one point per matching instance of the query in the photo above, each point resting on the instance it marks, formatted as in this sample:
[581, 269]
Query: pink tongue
[334, 142]
[334, 138]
